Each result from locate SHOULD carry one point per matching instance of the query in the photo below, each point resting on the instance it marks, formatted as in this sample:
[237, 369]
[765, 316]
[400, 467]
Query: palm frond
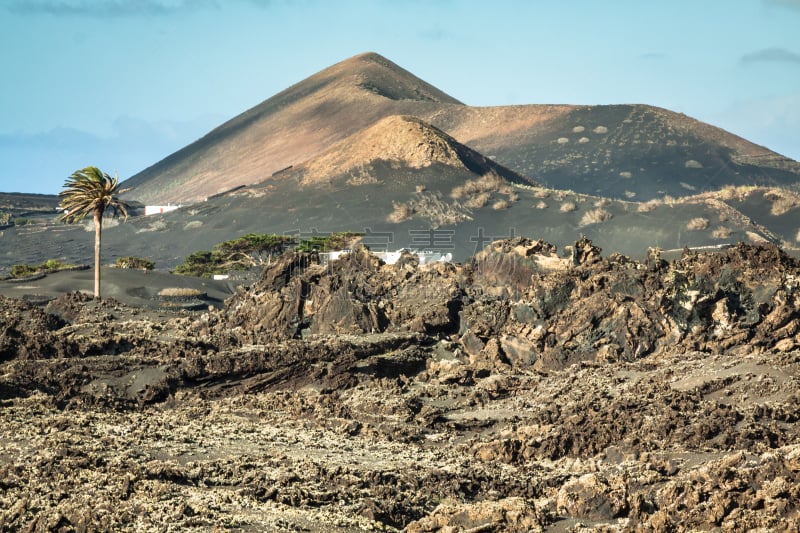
[89, 191]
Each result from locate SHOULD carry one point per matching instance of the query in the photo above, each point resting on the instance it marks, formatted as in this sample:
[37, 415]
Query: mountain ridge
[575, 147]
[284, 130]
[401, 140]
[630, 151]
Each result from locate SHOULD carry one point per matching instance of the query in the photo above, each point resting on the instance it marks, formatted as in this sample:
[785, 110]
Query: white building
[159, 209]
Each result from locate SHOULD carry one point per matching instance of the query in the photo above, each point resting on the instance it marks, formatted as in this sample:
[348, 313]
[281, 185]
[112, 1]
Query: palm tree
[92, 191]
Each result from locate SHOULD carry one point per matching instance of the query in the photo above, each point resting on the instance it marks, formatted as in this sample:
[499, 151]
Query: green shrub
[20, 271]
[139, 263]
[22, 221]
[51, 265]
[327, 243]
[253, 249]
[254, 243]
[235, 254]
[203, 264]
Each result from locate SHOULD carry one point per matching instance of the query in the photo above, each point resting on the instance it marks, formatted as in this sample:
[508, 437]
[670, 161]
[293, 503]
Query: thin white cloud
[771, 55]
[107, 8]
[120, 8]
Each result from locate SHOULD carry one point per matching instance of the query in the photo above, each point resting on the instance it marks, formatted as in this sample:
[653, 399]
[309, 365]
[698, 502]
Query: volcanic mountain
[623, 151]
[366, 147]
[400, 175]
[403, 183]
[403, 142]
[629, 151]
[288, 129]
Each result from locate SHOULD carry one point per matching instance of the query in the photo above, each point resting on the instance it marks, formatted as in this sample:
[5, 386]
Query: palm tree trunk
[98, 229]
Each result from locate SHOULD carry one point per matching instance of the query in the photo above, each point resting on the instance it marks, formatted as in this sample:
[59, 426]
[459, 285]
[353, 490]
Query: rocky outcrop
[524, 391]
[300, 297]
[26, 331]
[616, 309]
[510, 514]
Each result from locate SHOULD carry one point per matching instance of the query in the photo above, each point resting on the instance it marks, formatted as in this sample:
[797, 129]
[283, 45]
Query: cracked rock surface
[522, 391]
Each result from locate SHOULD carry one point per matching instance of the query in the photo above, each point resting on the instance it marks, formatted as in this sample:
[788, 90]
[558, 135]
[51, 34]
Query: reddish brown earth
[518, 392]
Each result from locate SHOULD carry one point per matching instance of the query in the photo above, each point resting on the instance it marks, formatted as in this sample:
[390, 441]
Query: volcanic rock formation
[520, 391]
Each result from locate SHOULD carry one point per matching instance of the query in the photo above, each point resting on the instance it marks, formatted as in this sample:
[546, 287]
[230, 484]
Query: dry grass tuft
[727, 193]
[478, 201]
[500, 205]
[648, 206]
[721, 233]
[740, 192]
[541, 205]
[595, 216]
[697, 224]
[401, 213]
[158, 225]
[489, 182]
[458, 193]
[179, 292]
[193, 224]
[541, 193]
[783, 204]
[568, 207]
[797, 237]
[476, 193]
[107, 223]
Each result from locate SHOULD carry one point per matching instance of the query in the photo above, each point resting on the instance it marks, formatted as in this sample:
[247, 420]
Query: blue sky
[123, 83]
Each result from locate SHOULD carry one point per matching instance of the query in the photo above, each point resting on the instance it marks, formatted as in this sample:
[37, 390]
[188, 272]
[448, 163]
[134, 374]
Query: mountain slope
[399, 169]
[403, 141]
[624, 151]
[287, 129]
[634, 152]
[20, 203]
